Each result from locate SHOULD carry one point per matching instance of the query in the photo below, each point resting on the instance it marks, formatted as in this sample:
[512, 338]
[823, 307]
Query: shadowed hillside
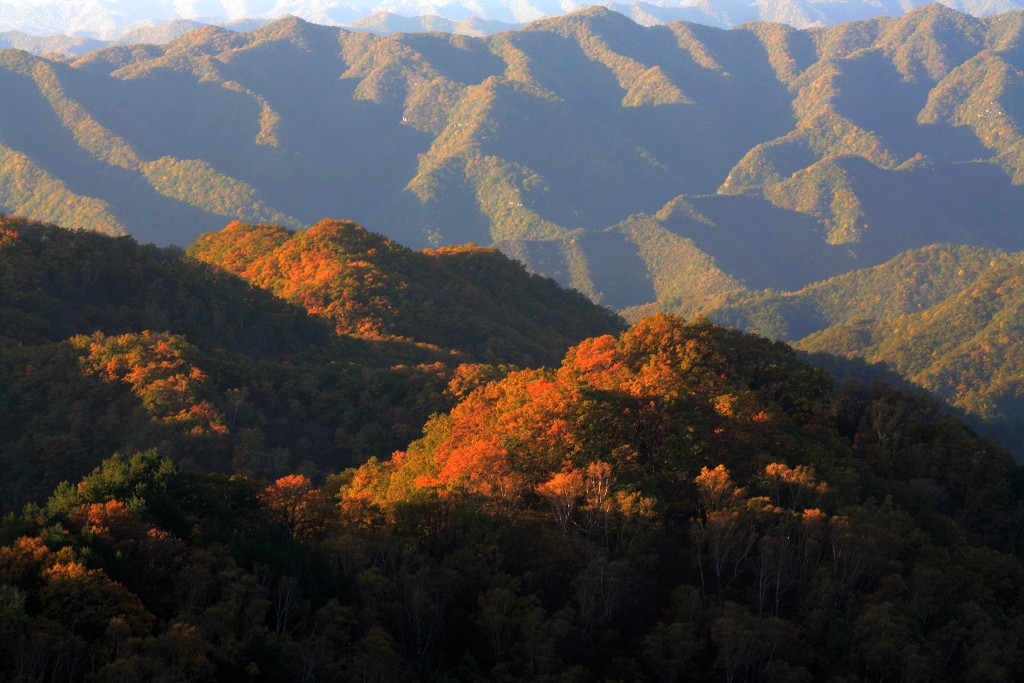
[678, 502]
[108, 345]
[798, 154]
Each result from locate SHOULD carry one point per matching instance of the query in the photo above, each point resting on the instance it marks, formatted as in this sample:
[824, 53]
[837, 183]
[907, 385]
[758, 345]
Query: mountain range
[79, 43]
[446, 124]
[195, 482]
[299, 450]
[111, 19]
[597, 151]
[736, 173]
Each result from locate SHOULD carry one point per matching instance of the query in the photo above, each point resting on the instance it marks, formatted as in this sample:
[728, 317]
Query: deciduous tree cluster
[680, 502]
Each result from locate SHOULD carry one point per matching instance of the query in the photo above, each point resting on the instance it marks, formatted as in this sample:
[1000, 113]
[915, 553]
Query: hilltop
[109, 345]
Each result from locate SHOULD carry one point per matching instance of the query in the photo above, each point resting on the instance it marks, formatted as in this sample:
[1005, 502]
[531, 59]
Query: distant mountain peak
[112, 19]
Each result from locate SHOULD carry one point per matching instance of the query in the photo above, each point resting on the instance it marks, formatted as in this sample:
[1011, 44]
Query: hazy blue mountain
[108, 19]
[641, 165]
[39, 45]
[388, 22]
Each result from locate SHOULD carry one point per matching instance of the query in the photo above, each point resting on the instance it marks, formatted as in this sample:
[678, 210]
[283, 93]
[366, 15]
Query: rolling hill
[110, 346]
[744, 173]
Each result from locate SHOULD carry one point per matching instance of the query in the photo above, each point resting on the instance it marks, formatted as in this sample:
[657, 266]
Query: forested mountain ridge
[107, 345]
[319, 455]
[945, 317]
[868, 139]
[679, 502]
[465, 298]
[597, 151]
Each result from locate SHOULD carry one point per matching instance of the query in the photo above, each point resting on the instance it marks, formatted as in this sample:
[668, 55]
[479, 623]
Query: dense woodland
[297, 450]
[110, 345]
[206, 480]
[626, 161]
[681, 502]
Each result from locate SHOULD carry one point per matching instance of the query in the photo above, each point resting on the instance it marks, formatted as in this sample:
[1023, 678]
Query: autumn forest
[765, 428]
[250, 493]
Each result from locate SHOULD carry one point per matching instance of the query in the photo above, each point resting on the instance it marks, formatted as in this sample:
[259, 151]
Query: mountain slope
[965, 348]
[107, 345]
[867, 139]
[678, 501]
[473, 300]
[944, 317]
